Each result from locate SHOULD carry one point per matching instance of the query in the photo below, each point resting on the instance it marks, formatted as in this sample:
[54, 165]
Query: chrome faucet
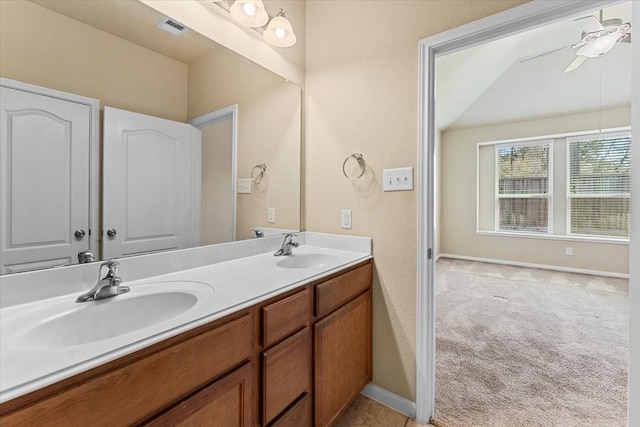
[287, 245]
[107, 286]
[85, 257]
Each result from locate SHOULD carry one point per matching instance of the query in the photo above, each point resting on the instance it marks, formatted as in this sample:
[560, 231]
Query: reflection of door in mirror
[149, 191]
[45, 152]
[218, 188]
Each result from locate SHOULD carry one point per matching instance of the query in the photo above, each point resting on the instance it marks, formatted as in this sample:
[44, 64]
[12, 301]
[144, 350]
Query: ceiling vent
[172, 26]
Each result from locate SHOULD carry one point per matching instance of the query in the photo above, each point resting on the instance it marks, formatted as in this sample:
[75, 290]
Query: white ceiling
[489, 83]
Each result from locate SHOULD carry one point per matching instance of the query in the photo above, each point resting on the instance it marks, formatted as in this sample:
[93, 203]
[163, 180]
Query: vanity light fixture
[249, 12]
[279, 32]
[276, 31]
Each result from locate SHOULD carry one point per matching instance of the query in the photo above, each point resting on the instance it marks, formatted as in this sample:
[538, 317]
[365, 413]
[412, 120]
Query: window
[599, 171]
[523, 187]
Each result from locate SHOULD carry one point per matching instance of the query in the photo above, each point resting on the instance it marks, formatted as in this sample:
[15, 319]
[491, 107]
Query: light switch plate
[244, 186]
[400, 179]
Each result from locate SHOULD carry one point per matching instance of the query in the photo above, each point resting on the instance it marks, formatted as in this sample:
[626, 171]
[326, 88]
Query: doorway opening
[514, 21]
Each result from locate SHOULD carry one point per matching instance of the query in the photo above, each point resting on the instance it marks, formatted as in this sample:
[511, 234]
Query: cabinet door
[225, 403]
[342, 358]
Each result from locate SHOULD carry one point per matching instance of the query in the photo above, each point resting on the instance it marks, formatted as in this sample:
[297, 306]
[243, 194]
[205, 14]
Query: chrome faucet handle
[112, 269]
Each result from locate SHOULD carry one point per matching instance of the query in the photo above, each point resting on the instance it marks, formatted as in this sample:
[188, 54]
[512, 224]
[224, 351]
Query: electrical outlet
[271, 214]
[244, 186]
[345, 218]
[568, 251]
[400, 179]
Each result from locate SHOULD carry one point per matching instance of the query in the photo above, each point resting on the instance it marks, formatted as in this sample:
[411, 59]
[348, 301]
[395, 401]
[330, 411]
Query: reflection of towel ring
[256, 177]
[357, 171]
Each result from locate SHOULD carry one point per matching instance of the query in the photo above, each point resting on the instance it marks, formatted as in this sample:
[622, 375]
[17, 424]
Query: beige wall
[458, 207]
[44, 48]
[362, 96]
[212, 22]
[269, 115]
[216, 201]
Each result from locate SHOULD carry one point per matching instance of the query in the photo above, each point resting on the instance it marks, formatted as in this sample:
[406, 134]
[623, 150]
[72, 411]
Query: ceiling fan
[598, 37]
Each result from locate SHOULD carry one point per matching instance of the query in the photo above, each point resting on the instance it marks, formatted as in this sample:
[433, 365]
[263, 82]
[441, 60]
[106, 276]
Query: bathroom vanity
[291, 353]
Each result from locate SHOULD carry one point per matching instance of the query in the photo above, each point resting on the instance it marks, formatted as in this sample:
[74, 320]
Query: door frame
[517, 19]
[94, 152]
[217, 116]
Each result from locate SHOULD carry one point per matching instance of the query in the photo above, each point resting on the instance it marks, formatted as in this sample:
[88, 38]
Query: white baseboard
[393, 401]
[543, 266]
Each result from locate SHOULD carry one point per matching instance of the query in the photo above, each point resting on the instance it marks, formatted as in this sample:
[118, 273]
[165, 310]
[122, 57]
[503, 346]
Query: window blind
[599, 178]
[523, 187]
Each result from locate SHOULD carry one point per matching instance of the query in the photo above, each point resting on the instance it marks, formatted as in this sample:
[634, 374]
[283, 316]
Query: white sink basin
[68, 324]
[306, 260]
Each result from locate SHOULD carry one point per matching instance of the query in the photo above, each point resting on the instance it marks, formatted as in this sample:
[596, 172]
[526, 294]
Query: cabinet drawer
[144, 387]
[284, 317]
[299, 415]
[335, 292]
[286, 374]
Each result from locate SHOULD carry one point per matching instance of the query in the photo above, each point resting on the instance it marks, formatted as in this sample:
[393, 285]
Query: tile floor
[365, 412]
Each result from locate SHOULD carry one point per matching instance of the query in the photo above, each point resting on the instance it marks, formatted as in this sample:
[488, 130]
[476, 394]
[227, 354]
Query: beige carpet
[529, 347]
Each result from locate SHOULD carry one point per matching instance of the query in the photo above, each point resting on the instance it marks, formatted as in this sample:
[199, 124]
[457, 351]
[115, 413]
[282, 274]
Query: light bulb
[249, 9]
[249, 12]
[279, 32]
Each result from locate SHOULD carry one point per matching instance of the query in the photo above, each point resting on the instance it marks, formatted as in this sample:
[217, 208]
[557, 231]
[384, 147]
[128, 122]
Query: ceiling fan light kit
[598, 37]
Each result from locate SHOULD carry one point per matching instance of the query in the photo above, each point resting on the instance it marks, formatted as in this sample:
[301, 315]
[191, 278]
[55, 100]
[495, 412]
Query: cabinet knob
[111, 232]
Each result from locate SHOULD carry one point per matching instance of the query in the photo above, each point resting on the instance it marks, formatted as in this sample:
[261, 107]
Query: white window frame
[548, 195]
[585, 137]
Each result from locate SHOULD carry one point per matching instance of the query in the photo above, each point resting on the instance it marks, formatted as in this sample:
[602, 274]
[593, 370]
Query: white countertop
[234, 284]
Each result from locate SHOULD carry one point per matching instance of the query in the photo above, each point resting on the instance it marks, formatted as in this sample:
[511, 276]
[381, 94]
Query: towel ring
[256, 177]
[357, 171]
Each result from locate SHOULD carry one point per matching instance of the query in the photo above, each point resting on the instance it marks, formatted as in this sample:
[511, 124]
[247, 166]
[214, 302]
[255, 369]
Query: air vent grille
[172, 26]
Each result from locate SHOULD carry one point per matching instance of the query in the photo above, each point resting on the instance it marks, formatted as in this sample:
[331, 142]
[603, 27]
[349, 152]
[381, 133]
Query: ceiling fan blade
[625, 39]
[575, 63]
[543, 54]
[589, 24]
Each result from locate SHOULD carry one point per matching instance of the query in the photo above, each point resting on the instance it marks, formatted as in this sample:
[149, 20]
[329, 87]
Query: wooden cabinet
[286, 372]
[295, 360]
[282, 318]
[225, 403]
[134, 388]
[342, 344]
[286, 359]
[298, 415]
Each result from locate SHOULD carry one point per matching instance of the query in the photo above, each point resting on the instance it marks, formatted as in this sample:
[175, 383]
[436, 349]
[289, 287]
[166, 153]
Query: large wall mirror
[113, 51]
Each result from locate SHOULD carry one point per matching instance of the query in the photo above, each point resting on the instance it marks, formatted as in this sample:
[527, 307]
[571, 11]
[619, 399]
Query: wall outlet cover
[271, 214]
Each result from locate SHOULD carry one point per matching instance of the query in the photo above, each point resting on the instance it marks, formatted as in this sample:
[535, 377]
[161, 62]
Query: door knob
[111, 232]
[79, 234]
